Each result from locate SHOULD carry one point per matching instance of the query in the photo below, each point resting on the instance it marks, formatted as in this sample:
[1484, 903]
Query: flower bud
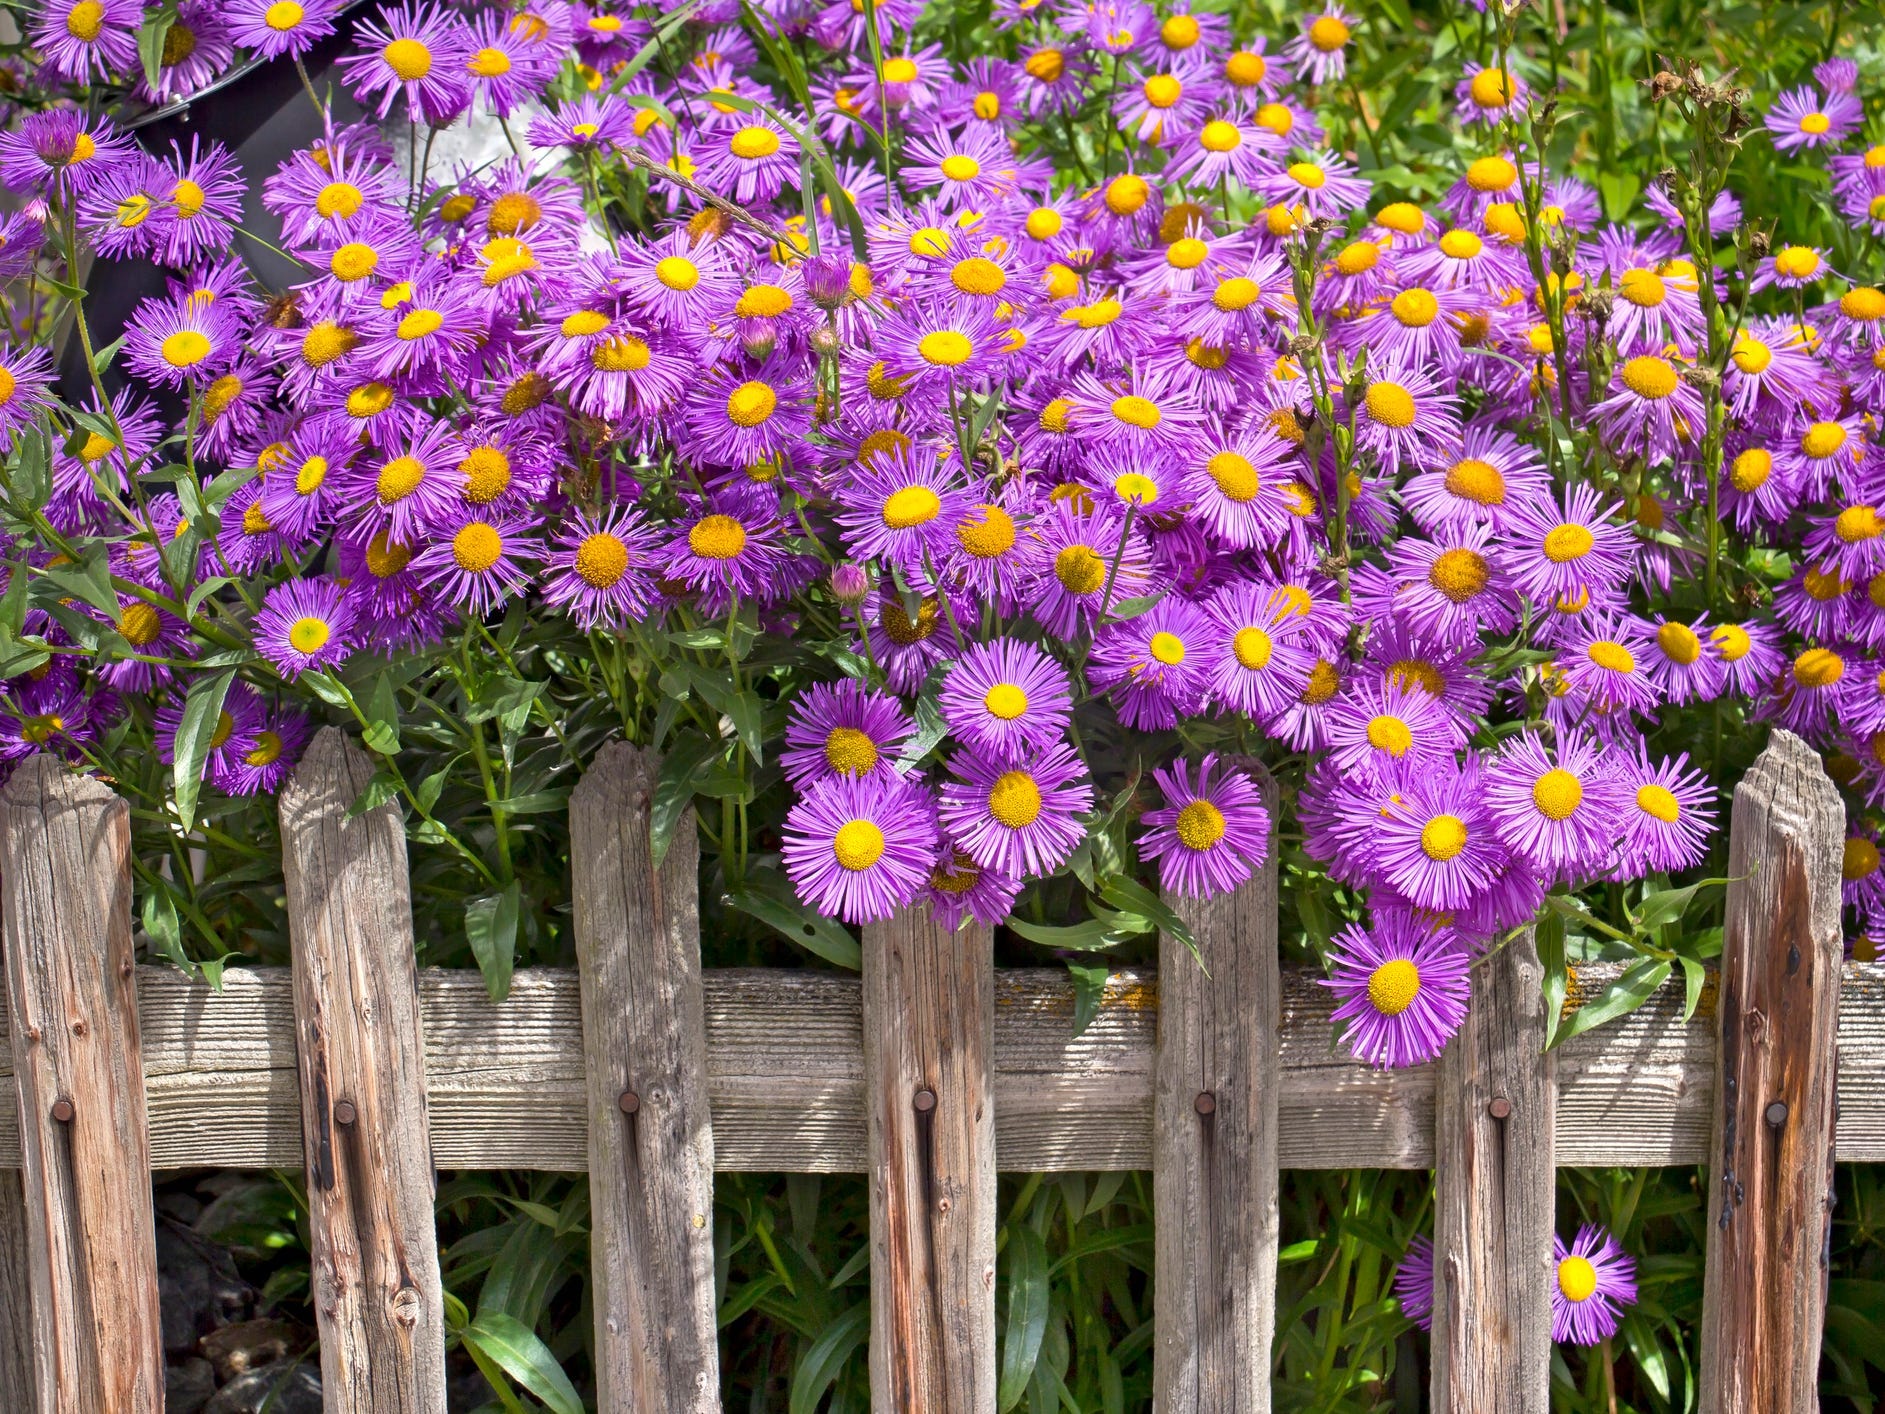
[850, 583]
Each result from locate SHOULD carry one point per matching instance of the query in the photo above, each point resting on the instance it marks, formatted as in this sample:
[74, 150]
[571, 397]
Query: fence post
[65, 871]
[1495, 1195]
[17, 1384]
[1216, 1081]
[645, 1055]
[361, 1058]
[929, 1027]
[1771, 1195]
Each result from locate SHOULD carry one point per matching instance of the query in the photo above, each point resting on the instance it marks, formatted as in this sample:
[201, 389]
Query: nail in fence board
[1771, 1191]
[929, 1020]
[1217, 1078]
[1495, 1195]
[361, 1057]
[91, 1240]
[645, 1056]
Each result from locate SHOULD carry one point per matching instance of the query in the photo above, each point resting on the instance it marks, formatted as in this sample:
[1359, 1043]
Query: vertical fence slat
[645, 1054]
[85, 1146]
[16, 1305]
[929, 1025]
[1216, 1081]
[361, 1058]
[1495, 1195]
[1771, 1190]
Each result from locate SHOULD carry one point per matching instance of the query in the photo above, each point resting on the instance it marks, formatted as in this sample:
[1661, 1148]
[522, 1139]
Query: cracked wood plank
[644, 1036]
[91, 1245]
[1770, 1199]
[361, 1058]
[928, 1042]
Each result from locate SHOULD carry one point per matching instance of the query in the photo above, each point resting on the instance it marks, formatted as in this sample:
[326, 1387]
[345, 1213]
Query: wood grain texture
[1771, 1190]
[785, 1076]
[928, 1033]
[1216, 1088]
[17, 1382]
[1495, 1195]
[91, 1247]
[377, 1297]
[644, 1036]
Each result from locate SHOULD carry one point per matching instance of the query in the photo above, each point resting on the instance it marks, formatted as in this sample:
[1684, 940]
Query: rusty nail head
[925, 1101]
[1500, 1108]
[628, 1102]
[1777, 1114]
[345, 1113]
[62, 1110]
[1206, 1103]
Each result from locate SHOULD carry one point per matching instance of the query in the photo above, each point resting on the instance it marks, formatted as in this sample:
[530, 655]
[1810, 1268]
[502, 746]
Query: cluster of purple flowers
[1049, 443]
[1595, 1281]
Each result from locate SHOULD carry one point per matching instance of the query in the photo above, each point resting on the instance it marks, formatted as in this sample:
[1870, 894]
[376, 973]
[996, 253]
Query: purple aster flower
[941, 344]
[1256, 667]
[416, 51]
[590, 124]
[1568, 552]
[1209, 837]
[1489, 95]
[1376, 726]
[203, 194]
[150, 633]
[960, 889]
[1792, 267]
[1449, 590]
[737, 416]
[333, 195]
[238, 725]
[407, 489]
[601, 569]
[1413, 1283]
[1320, 52]
[1681, 664]
[1008, 698]
[272, 28]
[1801, 118]
[1404, 415]
[1235, 489]
[480, 560]
[1596, 1280]
[296, 495]
[1320, 186]
[169, 344]
[1669, 817]
[860, 848]
[1808, 693]
[22, 234]
[1435, 845]
[754, 162]
[1557, 809]
[1072, 554]
[1601, 666]
[1402, 988]
[304, 625]
[1021, 820]
[261, 769]
[88, 40]
[430, 329]
[244, 538]
[504, 68]
[25, 389]
[842, 729]
[908, 648]
[1154, 666]
[60, 152]
[127, 215]
[1750, 655]
[731, 547]
[901, 505]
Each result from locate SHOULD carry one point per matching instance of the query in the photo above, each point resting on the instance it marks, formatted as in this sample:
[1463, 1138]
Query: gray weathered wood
[785, 1076]
[1771, 1197]
[645, 1052]
[1216, 1090]
[17, 1384]
[65, 876]
[1495, 1195]
[929, 1020]
[361, 1057]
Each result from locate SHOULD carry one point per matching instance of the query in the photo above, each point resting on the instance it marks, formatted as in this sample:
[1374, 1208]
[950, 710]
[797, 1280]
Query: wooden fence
[928, 1073]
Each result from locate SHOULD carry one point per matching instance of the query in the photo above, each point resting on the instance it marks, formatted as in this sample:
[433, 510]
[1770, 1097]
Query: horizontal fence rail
[785, 1076]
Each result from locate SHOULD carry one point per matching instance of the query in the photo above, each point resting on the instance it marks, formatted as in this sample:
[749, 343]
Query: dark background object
[259, 112]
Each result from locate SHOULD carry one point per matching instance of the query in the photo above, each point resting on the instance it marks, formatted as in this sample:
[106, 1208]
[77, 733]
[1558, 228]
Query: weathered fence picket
[1771, 1199]
[650, 1074]
[644, 1033]
[91, 1239]
[378, 1301]
[1495, 1195]
[929, 1020]
[1214, 1154]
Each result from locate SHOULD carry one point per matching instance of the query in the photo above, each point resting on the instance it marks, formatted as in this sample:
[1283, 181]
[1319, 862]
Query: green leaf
[1693, 975]
[1090, 936]
[491, 928]
[382, 713]
[1089, 988]
[517, 1350]
[102, 359]
[824, 1360]
[381, 787]
[89, 580]
[196, 731]
[1028, 1294]
[674, 792]
[1132, 608]
[150, 47]
[226, 484]
[328, 688]
[770, 898]
[1637, 985]
[1134, 897]
[1549, 936]
[1667, 905]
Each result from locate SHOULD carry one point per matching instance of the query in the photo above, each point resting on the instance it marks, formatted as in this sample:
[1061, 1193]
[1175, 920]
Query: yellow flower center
[1006, 701]
[476, 547]
[1238, 292]
[583, 323]
[1818, 667]
[1390, 734]
[1200, 825]
[1459, 574]
[857, 845]
[1477, 481]
[1797, 262]
[1567, 542]
[1612, 657]
[1415, 308]
[1461, 245]
[625, 353]
[220, 394]
[1126, 194]
[184, 349]
[1324, 683]
[1751, 355]
[1649, 376]
[987, 106]
[1015, 800]
[1860, 860]
[408, 58]
[1168, 648]
[1252, 648]
[187, 196]
[1679, 643]
[1751, 469]
[418, 323]
[354, 261]
[398, 479]
[1491, 174]
[987, 533]
[1357, 258]
[1246, 69]
[1393, 986]
[311, 474]
[1864, 304]
[946, 348]
[85, 21]
[1307, 174]
[1491, 88]
[1823, 440]
[1731, 641]
[1220, 136]
[487, 473]
[1080, 569]
[1328, 34]
[1390, 404]
[899, 70]
[978, 275]
[751, 404]
[912, 506]
[489, 63]
[1044, 223]
[340, 199]
[1659, 803]
[717, 537]
[1162, 90]
[850, 752]
[1047, 65]
[1187, 253]
[1642, 288]
[1814, 124]
[763, 302]
[1179, 32]
[601, 560]
[309, 634]
[1138, 412]
[677, 272]
[513, 212]
[1856, 523]
[1235, 477]
[1577, 1279]
[1557, 794]
[283, 16]
[139, 625]
[753, 143]
[1443, 837]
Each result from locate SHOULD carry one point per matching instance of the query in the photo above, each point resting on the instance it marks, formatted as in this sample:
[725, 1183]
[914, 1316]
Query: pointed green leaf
[491, 928]
[196, 734]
